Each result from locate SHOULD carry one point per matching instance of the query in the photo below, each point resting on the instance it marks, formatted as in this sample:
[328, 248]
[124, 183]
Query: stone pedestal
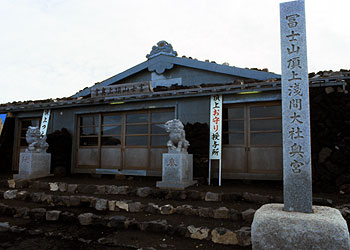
[33, 165]
[177, 172]
[274, 228]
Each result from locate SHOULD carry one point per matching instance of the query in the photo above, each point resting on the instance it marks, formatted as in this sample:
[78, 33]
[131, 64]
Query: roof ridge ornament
[162, 48]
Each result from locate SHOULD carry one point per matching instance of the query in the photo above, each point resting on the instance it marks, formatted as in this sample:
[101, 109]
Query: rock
[22, 183]
[85, 219]
[36, 184]
[71, 188]
[157, 226]
[46, 198]
[151, 208]
[209, 196]
[345, 188]
[74, 201]
[53, 215]
[221, 213]
[160, 193]
[124, 190]
[223, 236]
[205, 212]
[21, 212]
[101, 189]
[176, 195]
[44, 185]
[186, 210]
[117, 222]
[37, 213]
[101, 204]
[107, 241]
[167, 209]
[135, 207]
[86, 201]
[257, 198]
[62, 187]
[122, 205]
[86, 189]
[235, 215]
[36, 196]
[231, 197]
[274, 228]
[182, 230]
[16, 229]
[345, 212]
[35, 232]
[198, 233]
[131, 224]
[53, 186]
[111, 205]
[68, 217]
[248, 214]
[195, 195]
[65, 200]
[144, 192]
[11, 183]
[10, 194]
[324, 154]
[7, 210]
[244, 236]
[4, 227]
[329, 90]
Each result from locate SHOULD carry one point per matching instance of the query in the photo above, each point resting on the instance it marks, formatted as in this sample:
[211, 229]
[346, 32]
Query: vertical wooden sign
[215, 132]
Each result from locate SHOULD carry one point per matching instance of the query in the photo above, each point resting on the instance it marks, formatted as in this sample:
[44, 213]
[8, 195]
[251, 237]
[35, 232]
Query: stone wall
[330, 137]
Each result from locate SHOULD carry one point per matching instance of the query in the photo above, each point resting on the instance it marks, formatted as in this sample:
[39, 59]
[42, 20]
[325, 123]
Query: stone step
[13, 233]
[218, 235]
[129, 206]
[143, 192]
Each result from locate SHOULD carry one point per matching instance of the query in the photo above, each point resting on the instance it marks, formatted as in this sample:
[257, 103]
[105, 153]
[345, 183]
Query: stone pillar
[297, 224]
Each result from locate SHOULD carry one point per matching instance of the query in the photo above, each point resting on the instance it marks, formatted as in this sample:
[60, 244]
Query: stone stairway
[204, 220]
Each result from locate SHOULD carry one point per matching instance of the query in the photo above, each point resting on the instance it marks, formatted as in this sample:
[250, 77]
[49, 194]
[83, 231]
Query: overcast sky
[54, 48]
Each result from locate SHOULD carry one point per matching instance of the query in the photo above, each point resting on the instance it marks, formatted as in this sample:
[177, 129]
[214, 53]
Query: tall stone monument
[177, 168]
[34, 162]
[297, 224]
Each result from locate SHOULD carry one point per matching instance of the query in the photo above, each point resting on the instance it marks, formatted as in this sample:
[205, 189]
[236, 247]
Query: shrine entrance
[252, 141]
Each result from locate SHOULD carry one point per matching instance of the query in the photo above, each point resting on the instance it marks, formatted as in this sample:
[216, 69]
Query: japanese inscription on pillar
[215, 127]
[295, 109]
[44, 122]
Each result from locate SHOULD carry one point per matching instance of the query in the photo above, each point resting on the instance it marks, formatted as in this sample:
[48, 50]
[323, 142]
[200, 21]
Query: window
[125, 129]
[111, 130]
[266, 125]
[89, 130]
[233, 126]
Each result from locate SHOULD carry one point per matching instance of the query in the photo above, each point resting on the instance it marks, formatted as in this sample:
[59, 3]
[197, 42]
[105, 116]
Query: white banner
[215, 127]
[44, 122]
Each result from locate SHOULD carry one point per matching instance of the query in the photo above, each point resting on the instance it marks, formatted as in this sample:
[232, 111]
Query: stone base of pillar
[177, 171]
[33, 165]
[274, 228]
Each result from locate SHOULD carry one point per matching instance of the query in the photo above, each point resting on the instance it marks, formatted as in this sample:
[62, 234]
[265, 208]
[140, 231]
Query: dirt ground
[76, 236]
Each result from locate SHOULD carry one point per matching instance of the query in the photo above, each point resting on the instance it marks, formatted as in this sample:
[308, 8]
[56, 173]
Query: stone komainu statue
[36, 143]
[177, 142]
